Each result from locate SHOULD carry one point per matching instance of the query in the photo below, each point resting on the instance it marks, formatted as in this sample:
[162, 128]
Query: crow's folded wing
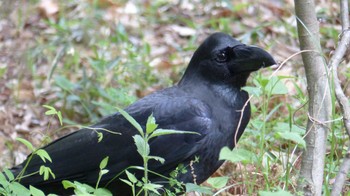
[77, 156]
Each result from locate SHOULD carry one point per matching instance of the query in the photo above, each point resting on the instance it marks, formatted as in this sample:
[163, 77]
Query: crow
[208, 100]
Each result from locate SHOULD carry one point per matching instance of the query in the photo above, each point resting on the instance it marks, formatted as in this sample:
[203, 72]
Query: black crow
[207, 100]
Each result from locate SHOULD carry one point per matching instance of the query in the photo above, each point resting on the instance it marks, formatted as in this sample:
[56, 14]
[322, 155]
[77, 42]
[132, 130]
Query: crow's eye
[221, 57]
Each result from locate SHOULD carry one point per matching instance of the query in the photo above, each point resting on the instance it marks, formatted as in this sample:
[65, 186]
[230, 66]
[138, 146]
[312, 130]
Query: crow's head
[221, 58]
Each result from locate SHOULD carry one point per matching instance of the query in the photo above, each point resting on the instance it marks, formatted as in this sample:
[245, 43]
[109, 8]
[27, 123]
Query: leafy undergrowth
[85, 57]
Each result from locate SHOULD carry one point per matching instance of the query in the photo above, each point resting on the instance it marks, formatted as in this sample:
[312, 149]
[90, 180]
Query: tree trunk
[311, 173]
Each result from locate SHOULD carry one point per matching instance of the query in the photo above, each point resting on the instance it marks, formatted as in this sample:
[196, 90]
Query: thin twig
[341, 176]
[339, 93]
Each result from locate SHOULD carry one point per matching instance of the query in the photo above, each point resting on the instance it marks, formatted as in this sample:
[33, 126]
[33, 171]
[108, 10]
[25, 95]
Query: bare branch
[341, 176]
[339, 93]
[344, 12]
[333, 64]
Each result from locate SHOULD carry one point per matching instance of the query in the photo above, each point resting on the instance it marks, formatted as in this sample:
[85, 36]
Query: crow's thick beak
[250, 58]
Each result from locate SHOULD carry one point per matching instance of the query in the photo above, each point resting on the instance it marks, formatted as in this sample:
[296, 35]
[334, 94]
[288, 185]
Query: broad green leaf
[284, 127]
[26, 143]
[218, 182]
[131, 177]
[2, 177]
[276, 87]
[190, 187]
[292, 136]
[151, 124]
[18, 189]
[35, 192]
[141, 145]
[131, 120]
[160, 132]
[256, 91]
[236, 155]
[104, 162]
[277, 193]
[43, 155]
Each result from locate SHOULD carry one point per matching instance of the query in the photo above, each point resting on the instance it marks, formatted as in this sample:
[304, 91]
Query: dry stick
[344, 12]
[341, 176]
[341, 98]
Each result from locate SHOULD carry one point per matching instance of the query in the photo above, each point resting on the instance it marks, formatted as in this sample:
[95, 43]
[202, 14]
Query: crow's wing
[77, 156]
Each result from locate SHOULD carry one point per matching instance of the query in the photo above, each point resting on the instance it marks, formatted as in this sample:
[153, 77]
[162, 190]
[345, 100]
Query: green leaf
[9, 174]
[218, 182]
[277, 193]
[256, 91]
[285, 127]
[103, 172]
[104, 162]
[160, 132]
[292, 136]
[190, 187]
[59, 115]
[26, 143]
[151, 124]
[83, 189]
[99, 136]
[152, 187]
[141, 145]
[68, 184]
[160, 159]
[2, 177]
[102, 192]
[64, 83]
[56, 60]
[19, 189]
[131, 120]
[43, 155]
[51, 111]
[276, 87]
[131, 177]
[46, 171]
[35, 192]
[126, 182]
[236, 155]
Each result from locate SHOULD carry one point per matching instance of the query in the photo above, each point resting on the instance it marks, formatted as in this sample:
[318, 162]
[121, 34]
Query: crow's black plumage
[207, 100]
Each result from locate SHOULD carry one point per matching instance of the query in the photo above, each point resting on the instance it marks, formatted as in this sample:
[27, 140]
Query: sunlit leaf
[43, 155]
[131, 120]
[218, 182]
[104, 162]
[35, 192]
[236, 155]
[26, 143]
[292, 136]
[141, 145]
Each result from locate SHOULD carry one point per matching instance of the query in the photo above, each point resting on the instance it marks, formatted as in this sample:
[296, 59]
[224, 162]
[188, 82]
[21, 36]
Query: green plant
[142, 144]
[81, 189]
